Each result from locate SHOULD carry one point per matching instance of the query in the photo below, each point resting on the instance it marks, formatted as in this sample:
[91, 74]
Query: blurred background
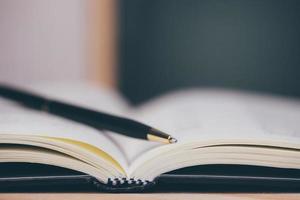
[144, 48]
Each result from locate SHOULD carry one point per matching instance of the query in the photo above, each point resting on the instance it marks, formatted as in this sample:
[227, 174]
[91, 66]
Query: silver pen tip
[159, 136]
[172, 140]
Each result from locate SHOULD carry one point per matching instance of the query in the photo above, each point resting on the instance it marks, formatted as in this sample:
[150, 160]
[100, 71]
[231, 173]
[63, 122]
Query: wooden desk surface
[157, 196]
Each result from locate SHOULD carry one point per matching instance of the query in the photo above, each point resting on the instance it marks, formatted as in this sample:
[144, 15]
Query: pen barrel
[99, 120]
[23, 97]
[81, 115]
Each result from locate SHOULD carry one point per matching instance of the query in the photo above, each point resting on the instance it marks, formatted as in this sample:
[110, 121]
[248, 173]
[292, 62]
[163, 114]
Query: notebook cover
[26, 177]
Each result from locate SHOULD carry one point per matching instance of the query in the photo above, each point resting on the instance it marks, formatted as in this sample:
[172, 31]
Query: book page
[276, 116]
[206, 115]
[18, 120]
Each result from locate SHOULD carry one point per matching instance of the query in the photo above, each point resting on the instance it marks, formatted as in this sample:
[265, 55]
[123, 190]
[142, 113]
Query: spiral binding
[121, 182]
[123, 185]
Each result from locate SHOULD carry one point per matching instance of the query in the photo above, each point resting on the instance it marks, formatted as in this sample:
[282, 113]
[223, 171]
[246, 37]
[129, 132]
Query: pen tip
[172, 140]
[159, 136]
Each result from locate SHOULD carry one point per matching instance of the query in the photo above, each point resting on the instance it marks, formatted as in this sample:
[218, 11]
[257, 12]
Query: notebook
[229, 132]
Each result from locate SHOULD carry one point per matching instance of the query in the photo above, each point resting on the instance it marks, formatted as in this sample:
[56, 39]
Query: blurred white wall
[42, 40]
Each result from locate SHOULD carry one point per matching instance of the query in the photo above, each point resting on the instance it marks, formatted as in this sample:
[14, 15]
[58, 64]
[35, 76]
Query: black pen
[86, 116]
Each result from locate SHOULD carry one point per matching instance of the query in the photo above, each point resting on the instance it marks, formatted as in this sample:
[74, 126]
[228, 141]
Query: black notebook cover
[26, 177]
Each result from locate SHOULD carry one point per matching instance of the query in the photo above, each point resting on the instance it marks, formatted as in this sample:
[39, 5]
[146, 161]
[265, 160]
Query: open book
[212, 127]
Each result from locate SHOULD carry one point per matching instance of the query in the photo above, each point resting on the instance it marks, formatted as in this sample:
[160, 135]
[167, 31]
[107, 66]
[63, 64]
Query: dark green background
[247, 44]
